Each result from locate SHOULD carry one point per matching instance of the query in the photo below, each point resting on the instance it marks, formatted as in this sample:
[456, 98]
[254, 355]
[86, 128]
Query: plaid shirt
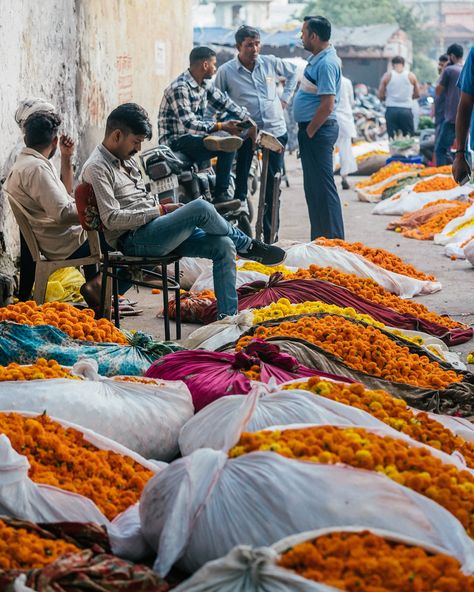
[183, 109]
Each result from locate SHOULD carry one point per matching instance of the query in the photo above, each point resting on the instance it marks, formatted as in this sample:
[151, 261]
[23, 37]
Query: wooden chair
[114, 261]
[44, 267]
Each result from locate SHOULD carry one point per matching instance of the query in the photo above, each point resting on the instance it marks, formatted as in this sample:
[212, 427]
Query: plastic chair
[114, 261]
[45, 267]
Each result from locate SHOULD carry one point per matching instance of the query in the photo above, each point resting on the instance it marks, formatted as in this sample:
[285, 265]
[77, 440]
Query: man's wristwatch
[462, 151]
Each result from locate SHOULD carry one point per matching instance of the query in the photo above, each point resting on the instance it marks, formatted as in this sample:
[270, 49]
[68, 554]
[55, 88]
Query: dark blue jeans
[324, 205]
[193, 146]
[275, 165]
[444, 141]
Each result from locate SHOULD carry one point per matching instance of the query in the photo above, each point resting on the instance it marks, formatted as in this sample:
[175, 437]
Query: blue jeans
[194, 230]
[275, 165]
[193, 146]
[324, 205]
[444, 141]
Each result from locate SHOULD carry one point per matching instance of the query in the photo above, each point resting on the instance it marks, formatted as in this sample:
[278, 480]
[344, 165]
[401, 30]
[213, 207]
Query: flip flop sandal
[123, 300]
[125, 310]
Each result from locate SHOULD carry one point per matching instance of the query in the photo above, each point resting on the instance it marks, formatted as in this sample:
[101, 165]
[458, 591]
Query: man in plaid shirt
[185, 125]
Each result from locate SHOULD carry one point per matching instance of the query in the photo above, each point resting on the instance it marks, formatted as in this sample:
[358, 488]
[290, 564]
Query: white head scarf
[27, 107]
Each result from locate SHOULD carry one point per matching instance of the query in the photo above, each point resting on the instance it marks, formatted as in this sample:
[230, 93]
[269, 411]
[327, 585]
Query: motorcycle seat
[189, 162]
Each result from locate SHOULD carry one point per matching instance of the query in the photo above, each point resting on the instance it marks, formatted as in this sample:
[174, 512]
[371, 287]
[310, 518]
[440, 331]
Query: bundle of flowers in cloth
[437, 223]
[457, 230]
[24, 344]
[260, 294]
[211, 375]
[370, 355]
[193, 306]
[180, 521]
[342, 558]
[387, 176]
[56, 471]
[396, 187]
[64, 557]
[145, 417]
[423, 215]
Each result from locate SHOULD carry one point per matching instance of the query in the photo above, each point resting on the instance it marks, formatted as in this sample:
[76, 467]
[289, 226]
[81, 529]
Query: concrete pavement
[457, 277]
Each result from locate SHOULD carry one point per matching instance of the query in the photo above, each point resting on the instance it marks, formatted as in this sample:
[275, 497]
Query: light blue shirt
[466, 84]
[257, 90]
[322, 76]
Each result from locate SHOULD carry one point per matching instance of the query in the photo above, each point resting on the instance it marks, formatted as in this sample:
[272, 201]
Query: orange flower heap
[365, 562]
[441, 170]
[137, 379]
[63, 458]
[78, 324]
[436, 223]
[380, 257]
[364, 348]
[40, 370]
[388, 171]
[394, 412]
[435, 184]
[24, 549]
[370, 290]
[413, 467]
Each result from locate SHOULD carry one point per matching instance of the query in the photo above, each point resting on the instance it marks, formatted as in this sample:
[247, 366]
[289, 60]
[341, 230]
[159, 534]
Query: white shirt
[344, 115]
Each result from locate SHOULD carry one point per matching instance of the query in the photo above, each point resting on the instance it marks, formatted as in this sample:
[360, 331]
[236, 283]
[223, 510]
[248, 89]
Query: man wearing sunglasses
[314, 110]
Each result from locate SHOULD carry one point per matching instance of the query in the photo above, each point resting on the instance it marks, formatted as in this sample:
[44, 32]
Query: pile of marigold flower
[40, 370]
[388, 171]
[364, 348]
[392, 411]
[412, 466]
[61, 457]
[436, 223]
[380, 257]
[365, 562]
[371, 290]
[254, 266]
[435, 184]
[370, 154]
[136, 379]
[23, 549]
[78, 324]
[441, 170]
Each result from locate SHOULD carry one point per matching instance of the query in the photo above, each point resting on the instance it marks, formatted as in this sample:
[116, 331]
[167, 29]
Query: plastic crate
[405, 159]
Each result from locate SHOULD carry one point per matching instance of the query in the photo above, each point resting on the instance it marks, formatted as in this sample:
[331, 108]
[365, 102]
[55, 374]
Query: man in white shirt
[347, 131]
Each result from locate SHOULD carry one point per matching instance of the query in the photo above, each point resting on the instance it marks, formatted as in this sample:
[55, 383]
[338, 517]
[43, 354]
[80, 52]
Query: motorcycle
[369, 118]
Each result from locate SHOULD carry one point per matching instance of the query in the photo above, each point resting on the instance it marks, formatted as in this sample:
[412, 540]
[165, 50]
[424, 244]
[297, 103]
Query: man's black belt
[304, 124]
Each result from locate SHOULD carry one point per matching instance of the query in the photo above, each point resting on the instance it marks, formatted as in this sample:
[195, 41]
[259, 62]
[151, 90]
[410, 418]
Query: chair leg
[116, 300]
[166, 316]
[41, 283]
[177, 301]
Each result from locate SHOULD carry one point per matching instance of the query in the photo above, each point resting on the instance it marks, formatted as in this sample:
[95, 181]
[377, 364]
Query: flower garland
[365, 562]
[413, 467]
[392, 411]
[380, 257]
[63, 458]
[24, 549]
[40, 370]
[364, 348]
[78, 324]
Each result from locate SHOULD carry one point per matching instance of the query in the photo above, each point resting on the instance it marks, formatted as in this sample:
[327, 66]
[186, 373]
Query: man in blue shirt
[461, 168]
[314, 109]
[250, 80]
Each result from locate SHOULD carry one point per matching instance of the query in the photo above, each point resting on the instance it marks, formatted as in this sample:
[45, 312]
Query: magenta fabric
[211, 375]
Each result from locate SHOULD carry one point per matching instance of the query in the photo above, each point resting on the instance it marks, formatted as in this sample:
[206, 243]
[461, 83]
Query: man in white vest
[398, 88]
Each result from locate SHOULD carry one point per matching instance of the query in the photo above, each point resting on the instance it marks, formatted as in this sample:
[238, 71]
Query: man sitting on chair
[35, 184]
[139, 226]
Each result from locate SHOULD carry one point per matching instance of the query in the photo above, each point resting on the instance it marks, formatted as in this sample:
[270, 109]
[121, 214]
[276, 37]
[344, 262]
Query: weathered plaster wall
[86, 57]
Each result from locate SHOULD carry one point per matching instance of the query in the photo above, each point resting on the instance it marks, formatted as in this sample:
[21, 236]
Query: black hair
[201, 53]
[319, 25]
[245, 31]
[456, 50]
[443, 58]
[41, 128]
[398, 60]
[129, 118]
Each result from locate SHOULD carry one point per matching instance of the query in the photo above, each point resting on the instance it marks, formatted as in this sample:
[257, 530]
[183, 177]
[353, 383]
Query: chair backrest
[87, 209]
[23, 218]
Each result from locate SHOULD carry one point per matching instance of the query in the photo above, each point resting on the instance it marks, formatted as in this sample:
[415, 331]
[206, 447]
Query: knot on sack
[259, 351]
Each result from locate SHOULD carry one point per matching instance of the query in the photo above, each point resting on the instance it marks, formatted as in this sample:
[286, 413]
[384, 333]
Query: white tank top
[399, 91]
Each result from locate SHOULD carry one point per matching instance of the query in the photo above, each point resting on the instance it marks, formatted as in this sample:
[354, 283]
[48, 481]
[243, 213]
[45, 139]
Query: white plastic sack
[221, 332]
[404, 286]
[454, 250]
[409, 201]
[190, 268]
[21, 498]
[469, 251]
[457, 230]
[201, 506]
[143, 418]
[363, 192]
[245, 569]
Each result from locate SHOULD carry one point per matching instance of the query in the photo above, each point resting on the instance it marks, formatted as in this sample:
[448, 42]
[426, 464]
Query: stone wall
[86, 57]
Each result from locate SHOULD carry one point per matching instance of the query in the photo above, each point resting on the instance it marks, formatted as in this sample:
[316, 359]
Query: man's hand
[311, 129]
[168, 208]
[252, 134]
[66, 146]
[461, 168]
[231, 127]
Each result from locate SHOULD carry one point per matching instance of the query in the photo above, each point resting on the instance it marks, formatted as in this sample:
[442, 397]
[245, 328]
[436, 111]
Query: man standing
[464, 118]
[314, 109]
[184, 124]
[251, 81]
[440, 100]
[347, 131]
[447, 85]
[398, 88]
